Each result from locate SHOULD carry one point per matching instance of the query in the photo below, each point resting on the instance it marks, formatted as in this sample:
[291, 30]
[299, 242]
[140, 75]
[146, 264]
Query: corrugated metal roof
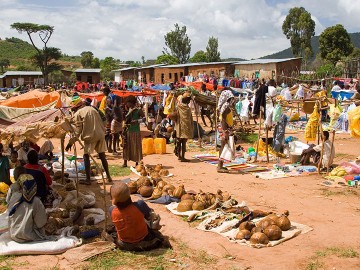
[124, 69]
[88, 70]
[152, 66]
[197, 64]
[22, 73]
[2, 76]
[264, 61]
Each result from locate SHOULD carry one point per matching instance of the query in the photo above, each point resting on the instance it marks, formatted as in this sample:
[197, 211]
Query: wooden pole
[259, 138]
[76, 171]
[216, 118]
[322, 142]
[62, 142]
[267, 150]
[197, 120]
[332, 147]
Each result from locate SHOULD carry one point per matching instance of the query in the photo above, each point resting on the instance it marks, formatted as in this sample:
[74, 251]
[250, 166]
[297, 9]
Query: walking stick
[257, 145]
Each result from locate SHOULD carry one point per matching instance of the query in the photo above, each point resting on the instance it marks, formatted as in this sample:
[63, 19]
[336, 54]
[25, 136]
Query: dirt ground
[334, 215]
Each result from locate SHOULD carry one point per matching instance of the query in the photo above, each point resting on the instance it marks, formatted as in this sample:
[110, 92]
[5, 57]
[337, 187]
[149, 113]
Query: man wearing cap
[90, 127]
[135, 223]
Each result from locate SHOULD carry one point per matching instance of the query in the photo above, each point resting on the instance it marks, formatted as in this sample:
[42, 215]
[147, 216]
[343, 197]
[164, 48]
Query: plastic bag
[277, 113]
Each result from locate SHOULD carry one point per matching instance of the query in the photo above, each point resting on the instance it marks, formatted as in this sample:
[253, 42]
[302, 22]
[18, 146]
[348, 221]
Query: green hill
[19, 53]
[355, 38]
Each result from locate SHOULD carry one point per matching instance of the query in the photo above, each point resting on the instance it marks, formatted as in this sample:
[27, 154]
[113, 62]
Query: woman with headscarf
[131, 133]
[27, 215]
[226, 102]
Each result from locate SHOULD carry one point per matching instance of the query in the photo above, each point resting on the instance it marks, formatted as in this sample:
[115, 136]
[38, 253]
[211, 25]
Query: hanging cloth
[312, 125]
[279, 133]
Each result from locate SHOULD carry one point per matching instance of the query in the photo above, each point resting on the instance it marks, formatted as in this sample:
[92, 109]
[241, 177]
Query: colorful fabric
[4, 170]
[184, 124]
[224, 100]
[312, 125]
[76, 101]
[133, 147]
[354, 122]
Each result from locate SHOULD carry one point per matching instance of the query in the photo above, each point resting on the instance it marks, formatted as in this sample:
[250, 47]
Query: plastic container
[295, 157]
[148, 146]
[160, 145]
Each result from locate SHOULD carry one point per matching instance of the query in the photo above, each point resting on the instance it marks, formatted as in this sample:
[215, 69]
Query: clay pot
[179, 191]
[274, 217]
[243, 234]
[185, 205]
[198, 206]
[155, 175]
[145, 191]
[187, 196]
[284, 223]
[139, 168]
[273, 232]
[247, 225]
[141, 180]
[143, 173]
[266, 222]
[157, 193]
[168, 187]
[226, 196]
[133, 187]
[219, 195]
[259, 238]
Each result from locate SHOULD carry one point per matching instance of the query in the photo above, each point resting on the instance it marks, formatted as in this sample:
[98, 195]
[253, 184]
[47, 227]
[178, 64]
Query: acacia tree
[335, 43]
[178, 44]
[45, 55]
[212, 50]
[299, 28]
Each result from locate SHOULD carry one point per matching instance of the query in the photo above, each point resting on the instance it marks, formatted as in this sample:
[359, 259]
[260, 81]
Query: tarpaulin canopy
[99, 95]
[33, 99]
[197, 85]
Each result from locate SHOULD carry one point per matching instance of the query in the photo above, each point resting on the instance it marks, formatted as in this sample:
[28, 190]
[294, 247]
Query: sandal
[222, 170]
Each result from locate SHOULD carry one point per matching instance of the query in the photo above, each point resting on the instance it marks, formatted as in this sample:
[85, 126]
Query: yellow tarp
[354, 122]
[33, 99]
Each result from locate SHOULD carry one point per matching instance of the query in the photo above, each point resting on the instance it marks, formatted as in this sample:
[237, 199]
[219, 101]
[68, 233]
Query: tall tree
[4, 63]
[199, 56]
[178, 44]
[335, 43]
[212, 50]
[108, 64]
[143, 59]
[95, 63]
[43, 55]
[87, 58]
[49, 54]
[299, 28]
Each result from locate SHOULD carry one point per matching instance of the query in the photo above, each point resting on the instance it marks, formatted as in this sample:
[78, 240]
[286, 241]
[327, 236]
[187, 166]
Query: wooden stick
[216, 118]
[322, 141]
[197, 120]
[267, 150]
[76, 171]
[62, 142]
[257, 145]
[332, 147]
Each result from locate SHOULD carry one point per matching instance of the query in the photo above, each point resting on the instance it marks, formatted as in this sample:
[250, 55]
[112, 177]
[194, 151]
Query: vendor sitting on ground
[14, 160]
[46, 150]
[130, 220]
[23, 151]
[4, 167]
[27, 215]
[314, 151]
[164, 129]
[40, 174]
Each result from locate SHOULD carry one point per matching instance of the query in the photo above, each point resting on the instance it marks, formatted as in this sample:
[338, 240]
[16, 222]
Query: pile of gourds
[268, 229]
[154, 172]
[201, 200]
[338, 171]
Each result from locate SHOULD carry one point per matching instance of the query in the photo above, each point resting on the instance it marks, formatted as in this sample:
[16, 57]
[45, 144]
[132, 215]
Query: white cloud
[128, 29]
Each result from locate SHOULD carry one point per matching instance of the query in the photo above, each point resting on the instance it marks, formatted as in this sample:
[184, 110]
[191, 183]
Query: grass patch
[314, 265]
[345, 192]
[203, 257]
[247, 137]
[339, 252]
[117, 170]
[117, 259]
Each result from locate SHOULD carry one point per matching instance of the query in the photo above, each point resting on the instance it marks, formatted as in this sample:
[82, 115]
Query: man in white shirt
[23, 151]
[336, 87]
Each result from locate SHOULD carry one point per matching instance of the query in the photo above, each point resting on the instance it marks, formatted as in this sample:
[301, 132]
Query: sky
[130, 29]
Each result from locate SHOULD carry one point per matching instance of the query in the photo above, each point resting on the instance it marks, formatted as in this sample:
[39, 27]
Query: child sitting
[4, 167]
[14, 160]
[16, 186]
[130, 220]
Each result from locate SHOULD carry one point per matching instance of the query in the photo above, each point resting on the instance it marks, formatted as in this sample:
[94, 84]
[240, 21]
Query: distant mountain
[287, 53]
[232, 59]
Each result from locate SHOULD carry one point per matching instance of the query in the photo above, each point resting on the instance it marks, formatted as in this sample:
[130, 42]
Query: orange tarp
[197, 85]
[99, 95]
[32, 99]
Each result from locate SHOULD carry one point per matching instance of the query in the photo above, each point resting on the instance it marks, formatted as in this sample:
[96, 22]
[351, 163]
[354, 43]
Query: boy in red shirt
[136, 224]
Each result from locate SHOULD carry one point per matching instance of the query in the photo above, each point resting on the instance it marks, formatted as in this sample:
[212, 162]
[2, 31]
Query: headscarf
[29, 190]
[224, 100]
[76, 101]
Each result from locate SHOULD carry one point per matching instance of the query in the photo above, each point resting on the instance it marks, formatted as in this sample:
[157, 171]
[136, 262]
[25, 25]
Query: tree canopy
[178, 44]
[299, 28]
[107, 65]
[212, 50]
[199, 56]
[87, 58]
[44, 55]
[335, 43]
[166, 59]
[4, 63]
